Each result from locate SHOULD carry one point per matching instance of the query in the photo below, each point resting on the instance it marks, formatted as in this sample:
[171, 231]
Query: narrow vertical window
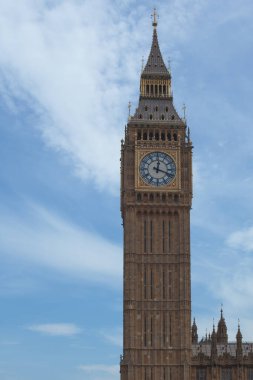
[151, 373]
[164, 329]
[151, 331]
[145, 282]
[151, 236]
[169, 231]
[145, 236]
[170, 284]
[164, 373]
[170, 342]
[145, 331]
[164, 284]
[163, 238]
[145, 373]
[151, 283]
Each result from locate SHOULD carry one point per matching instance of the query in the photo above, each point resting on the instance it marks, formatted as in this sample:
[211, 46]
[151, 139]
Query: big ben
[156, 195]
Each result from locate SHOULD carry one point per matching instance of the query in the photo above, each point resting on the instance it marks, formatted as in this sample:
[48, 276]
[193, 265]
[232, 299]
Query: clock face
[157, 169]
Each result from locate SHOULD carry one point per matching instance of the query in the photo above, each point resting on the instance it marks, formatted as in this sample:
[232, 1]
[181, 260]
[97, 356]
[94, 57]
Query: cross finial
[184, 110]
[154, 16]
[129, 108]
[221, 310]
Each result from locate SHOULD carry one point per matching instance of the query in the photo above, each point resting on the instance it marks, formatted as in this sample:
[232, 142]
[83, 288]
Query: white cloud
[76, 65]
[242, 239]
[44, 238]
[115, 337]
[56, 329]
[108, 369]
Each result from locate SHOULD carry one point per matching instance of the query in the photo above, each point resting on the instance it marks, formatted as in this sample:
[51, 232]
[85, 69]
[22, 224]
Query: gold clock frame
[174, 185]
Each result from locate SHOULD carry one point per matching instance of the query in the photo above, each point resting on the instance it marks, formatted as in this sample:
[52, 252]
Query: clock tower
[156, 194]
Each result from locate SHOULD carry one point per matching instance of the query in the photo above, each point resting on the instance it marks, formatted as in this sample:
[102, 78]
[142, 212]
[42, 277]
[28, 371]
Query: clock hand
[163, 171]
[157, 166]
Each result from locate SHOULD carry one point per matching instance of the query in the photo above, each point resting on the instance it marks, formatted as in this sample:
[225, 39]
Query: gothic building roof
[156, 109]
[156, 106]
[222, 349]
[155, 64]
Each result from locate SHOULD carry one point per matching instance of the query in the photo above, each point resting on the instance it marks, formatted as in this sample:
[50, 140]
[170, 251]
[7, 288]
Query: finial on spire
[184, 110]
[221, 311]
[142, 64]
[129, 108]
[154, 16]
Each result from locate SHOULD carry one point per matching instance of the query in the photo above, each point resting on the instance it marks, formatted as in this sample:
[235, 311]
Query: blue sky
[67, 72]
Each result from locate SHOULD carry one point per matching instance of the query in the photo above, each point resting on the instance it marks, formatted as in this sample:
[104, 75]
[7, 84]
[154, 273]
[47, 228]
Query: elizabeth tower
[156, 194]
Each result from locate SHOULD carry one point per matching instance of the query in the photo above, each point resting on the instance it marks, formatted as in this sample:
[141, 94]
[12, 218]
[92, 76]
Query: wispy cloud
[56, 329]
[43, 238]
[115, 336]
[75, 66]
[100, 368]
[242, 239]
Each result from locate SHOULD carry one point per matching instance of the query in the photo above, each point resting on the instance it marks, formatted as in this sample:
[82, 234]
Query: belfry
[159, 342]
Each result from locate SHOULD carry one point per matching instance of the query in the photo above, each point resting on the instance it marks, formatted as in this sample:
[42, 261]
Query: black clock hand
[157, 166]
[163, 171]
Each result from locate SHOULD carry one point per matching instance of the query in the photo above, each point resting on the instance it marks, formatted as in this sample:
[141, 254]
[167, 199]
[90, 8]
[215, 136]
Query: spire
[156, 100]
[155, 64]
[213, 345]
[239, 343]
[194, 333]
[222, 336]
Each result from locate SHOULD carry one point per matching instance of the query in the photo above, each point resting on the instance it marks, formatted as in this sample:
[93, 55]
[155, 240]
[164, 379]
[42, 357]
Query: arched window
[140, 116]
[169, 136]
[146, 108]
[162, 136]
[166, 109]
[150, 135]
[139, 135]
[162, 117]
[150, 116]
[156, 108]
[157, 136]
[145, 136]
[147, 89]
[175, 137]
[172, 117]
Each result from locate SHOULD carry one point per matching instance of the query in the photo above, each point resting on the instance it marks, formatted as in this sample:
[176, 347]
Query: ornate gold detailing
[175, 185]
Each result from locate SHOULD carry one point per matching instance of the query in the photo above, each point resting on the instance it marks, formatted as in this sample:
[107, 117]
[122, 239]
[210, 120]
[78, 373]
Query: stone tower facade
[156, 195]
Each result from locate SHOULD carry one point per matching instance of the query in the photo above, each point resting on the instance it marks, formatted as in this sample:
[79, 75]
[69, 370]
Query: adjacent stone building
[156, 195]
